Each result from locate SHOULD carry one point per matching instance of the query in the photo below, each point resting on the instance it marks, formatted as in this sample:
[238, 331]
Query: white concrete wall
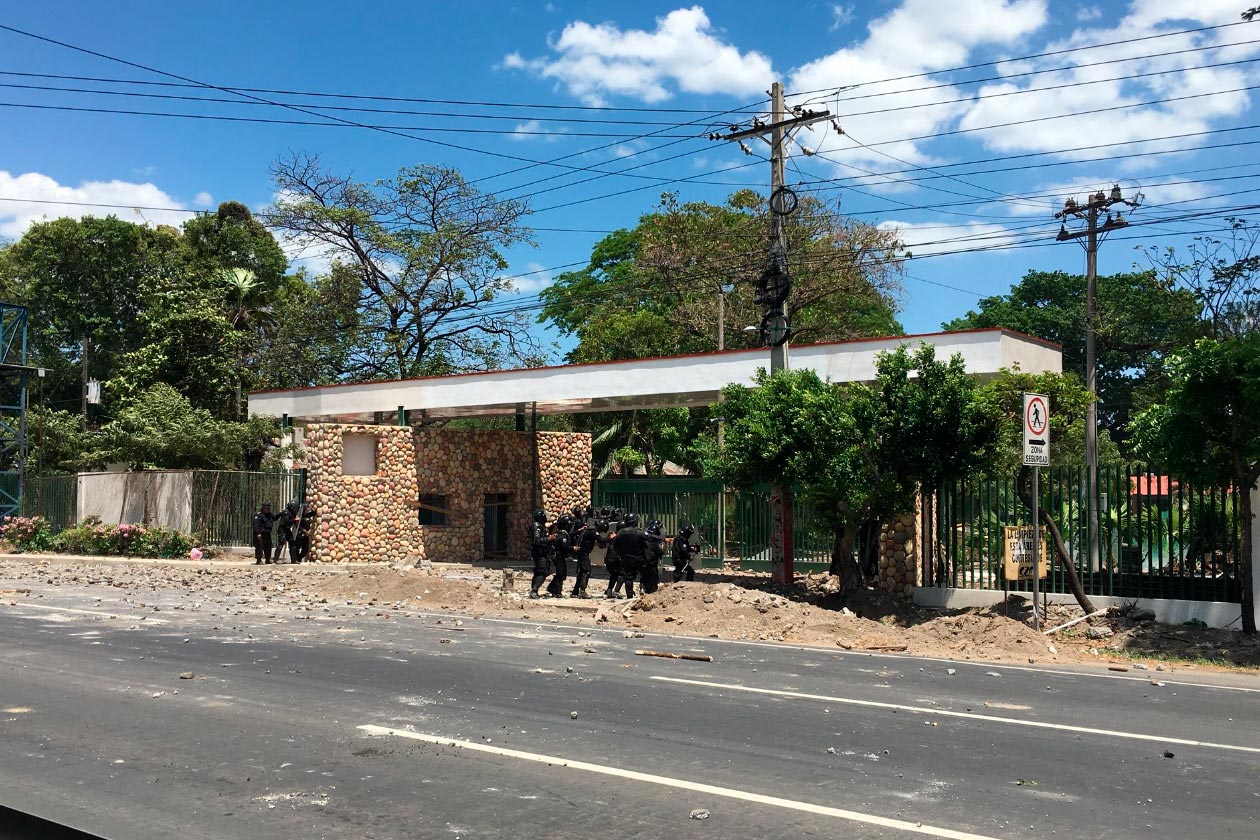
[1168, 611]
[150, 498]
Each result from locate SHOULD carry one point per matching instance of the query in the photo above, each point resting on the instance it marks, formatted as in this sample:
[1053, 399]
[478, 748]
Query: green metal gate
[676, 501]
[811, 541]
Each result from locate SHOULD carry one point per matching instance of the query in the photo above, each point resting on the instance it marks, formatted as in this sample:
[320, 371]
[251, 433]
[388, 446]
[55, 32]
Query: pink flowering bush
[26, 533]
[126, 540]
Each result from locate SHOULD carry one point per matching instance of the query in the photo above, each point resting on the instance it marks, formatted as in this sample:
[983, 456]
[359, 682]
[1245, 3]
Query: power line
[299, 109]
[399, 111]
[324, 124]
[368, 97]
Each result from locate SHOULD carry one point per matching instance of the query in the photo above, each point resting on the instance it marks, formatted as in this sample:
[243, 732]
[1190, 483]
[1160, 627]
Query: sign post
[1036, 455]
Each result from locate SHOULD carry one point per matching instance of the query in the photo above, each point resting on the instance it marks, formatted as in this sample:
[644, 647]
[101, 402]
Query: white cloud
[1088, 13]
[532, 280]
[918, 37]
[1155, 194]
[1080, 89]
[530, 130]
[841, 15]
[203, 199]
[39, 193]
[594, 61]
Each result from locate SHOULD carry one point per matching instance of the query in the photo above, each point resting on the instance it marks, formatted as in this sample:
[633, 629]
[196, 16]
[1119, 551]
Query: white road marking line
[926, 710]
[729, 793]
[126, 616]
[902, 657]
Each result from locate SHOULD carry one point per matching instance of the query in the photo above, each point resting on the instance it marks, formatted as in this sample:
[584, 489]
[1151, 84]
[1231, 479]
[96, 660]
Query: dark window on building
[433, 509]
[496, 528]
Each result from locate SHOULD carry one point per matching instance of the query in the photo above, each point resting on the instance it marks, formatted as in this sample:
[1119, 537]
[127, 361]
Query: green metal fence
[675, 501]
[1159, 537]
[744, 530]
[811, 543]
[224, 503]
[54, 497]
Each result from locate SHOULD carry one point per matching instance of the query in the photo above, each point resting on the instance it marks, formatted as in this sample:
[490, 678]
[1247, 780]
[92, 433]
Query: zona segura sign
[1036, 430]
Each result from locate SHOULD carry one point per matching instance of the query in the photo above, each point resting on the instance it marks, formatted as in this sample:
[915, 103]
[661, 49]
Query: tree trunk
[843, 564]
[1060, 549]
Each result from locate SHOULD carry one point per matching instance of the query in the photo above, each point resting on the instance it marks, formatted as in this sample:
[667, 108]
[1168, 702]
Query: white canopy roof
[690, 380]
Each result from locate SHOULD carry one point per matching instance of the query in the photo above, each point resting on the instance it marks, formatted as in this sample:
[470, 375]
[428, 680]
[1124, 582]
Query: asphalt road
[343, 724]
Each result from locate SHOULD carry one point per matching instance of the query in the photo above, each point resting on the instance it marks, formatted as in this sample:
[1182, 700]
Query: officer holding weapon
[540, 552]
[560, 548]
[684, 551]
[582, 542]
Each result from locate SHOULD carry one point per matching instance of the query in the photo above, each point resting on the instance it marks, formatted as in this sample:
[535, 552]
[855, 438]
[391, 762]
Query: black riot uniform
[540, 551]
[560, 547]
[612, 560]
[262, 524]
[305, 525]
[683, 553]
[582, 542]
[650, 574]
[632, 546]
[286, 530]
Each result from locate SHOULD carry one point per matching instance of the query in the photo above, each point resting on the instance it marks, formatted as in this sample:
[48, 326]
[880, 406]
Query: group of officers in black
[631, 552]
[292, 527]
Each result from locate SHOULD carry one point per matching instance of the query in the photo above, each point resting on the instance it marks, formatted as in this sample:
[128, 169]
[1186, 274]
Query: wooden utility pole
[1090, 212]
[775, 288]
[83, 350]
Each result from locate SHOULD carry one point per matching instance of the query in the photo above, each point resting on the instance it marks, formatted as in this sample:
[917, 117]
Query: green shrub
[27, 533]
[94, 537]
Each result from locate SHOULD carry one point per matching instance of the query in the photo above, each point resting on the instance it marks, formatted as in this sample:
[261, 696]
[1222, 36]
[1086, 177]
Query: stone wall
[363, 518]
[562, 486]
[899, 556]
[375, 518]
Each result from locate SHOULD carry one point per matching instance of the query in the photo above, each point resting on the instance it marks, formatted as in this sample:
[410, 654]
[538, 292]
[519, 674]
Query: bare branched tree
[428, 249]
[1224, 275]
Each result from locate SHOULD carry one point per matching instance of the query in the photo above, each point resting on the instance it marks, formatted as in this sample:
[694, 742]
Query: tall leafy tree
[1208, 430]
[856, 452]
[428, 248]
[1142, 318]
[654, 289]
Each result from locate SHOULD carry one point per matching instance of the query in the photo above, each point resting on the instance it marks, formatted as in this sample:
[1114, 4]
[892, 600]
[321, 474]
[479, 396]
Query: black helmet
[601, 525]
[687, 531]
[564, 523]
[292, 507]
[618, 514]
[630, 520]
[655, 527]
[540, 516]
[578, 516]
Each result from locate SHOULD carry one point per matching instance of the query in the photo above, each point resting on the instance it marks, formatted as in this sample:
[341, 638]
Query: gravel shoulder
[744, 607]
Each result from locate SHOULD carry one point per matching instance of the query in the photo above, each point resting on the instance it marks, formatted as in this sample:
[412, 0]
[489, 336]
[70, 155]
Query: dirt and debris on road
[740, 607]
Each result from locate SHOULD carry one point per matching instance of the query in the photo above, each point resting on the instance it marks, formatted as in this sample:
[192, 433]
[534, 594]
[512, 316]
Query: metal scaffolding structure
[14, 373]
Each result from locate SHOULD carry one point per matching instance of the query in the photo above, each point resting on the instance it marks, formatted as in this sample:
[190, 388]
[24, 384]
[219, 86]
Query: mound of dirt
[413, 587]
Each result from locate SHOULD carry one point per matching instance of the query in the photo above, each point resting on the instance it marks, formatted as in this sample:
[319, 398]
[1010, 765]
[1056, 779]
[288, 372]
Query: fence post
[1254, 524]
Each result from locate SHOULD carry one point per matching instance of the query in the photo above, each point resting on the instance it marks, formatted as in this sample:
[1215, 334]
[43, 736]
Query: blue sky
[684, 63]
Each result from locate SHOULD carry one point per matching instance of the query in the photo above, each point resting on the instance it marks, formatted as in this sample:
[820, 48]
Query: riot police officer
[632, 548]
[560, 548]
[684, 550]
[261, 525]
[582, 542]
[540, 552]
[650, 575]
[612, 560]
[285, 536]
[306, 524]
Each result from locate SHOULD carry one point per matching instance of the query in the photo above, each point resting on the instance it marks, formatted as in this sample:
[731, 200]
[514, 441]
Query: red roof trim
[903, 338]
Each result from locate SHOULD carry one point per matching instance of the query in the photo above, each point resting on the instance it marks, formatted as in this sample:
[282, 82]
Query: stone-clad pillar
[363, 518]
[899, 556]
